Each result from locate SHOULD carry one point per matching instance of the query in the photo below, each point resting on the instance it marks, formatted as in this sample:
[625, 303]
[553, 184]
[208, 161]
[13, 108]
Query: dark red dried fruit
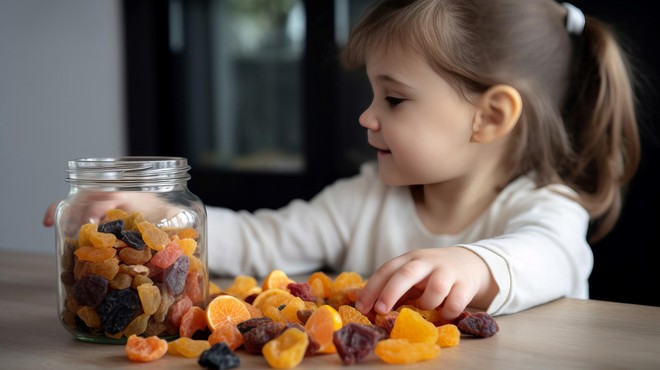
[252, 323]
[479, 324]
[255, 339]
[302, 291]
[355, 341]
[90, 290]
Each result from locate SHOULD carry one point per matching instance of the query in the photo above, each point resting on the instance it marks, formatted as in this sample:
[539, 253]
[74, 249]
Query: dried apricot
[412, 326]
[287, 350]
[193, 320]
[401, 351]
[227, 332]
[448, 336]
[94, 254]
[145, 349]
[187, 347]
[155, 238]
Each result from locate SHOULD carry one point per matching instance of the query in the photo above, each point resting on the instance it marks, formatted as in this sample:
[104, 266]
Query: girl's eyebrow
[388, 78]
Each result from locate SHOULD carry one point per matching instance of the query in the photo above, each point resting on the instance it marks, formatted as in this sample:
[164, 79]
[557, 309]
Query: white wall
[60, 99]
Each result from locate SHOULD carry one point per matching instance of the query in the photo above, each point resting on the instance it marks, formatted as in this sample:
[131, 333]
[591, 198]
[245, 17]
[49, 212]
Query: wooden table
[565, 334]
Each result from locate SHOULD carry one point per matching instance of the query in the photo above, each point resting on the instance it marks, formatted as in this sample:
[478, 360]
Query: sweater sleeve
[541, 253]
[298, 238]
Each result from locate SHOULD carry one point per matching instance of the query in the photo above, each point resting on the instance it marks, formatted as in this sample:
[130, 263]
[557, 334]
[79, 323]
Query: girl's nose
[368, 119]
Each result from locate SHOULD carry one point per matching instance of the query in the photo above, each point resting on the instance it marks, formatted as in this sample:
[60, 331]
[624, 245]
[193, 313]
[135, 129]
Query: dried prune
[133, 238]
[175, 275]
[112, 227]
[219, 356]
[479, 324]
[118, 309]
[252, 323]
[90, 290]
[355, 342]
[302, 291]
[255, 339]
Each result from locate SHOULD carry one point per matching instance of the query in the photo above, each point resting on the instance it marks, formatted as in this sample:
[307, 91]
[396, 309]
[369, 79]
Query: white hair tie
[574, 19]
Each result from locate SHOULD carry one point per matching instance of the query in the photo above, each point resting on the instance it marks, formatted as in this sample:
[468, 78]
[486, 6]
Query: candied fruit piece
[118, 309]
[154, 237]
[107, 268]
[302, 290]
[228, 333]
[448, 336]
[149, 298]
[193, 287]
[137, 326]
[350, 314]
[175, 275]
[355, 341]
[145, 349]
[93, 254]
[114, 227]
[188, 233]
[287, 350]
[255, 339]
[220, 357]
[178, 309]
[134, 239]
[88, 315]
[83, 234]
[412, 326]
[90, 290]
[401, 351]
[102, 240]
[132, 256]
[121, 281]
[479, 324]
[252, 323]
[321, 325]
[189, 246]
[166, 257]
[166, 300]
[193, 320]
[188, 347]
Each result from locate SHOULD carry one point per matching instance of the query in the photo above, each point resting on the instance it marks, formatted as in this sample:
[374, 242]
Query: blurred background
[252, 93]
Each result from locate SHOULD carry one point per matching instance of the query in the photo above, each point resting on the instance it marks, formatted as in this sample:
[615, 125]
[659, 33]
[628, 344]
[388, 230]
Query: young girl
[504, 130]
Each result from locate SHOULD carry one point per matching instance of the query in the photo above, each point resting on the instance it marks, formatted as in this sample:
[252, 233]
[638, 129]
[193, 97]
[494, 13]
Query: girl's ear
[498, 111]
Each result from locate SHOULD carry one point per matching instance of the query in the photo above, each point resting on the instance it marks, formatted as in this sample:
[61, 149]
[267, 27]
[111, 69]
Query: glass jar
[131, 248]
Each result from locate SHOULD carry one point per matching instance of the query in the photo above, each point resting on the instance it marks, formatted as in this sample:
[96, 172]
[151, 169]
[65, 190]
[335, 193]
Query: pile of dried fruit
[286, 321]
[126, 276]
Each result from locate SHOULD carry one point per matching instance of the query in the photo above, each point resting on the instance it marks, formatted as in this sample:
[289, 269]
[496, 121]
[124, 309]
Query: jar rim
[128, 168]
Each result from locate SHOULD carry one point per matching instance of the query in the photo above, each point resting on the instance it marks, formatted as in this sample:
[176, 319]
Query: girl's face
[419, 124]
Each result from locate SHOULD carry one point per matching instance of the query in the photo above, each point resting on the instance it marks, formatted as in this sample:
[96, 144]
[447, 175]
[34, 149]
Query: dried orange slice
[321, 325]
[350, 314]
[320, 284]
[276, 279]
[225, 308]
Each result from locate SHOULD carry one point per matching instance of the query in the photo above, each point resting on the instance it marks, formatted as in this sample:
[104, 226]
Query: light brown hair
[578, 124]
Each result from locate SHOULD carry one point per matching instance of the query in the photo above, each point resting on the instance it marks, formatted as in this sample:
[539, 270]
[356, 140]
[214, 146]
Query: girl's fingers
[455, 303]
[376, 283]
[49, 216]
[438, 286]
[400, 282]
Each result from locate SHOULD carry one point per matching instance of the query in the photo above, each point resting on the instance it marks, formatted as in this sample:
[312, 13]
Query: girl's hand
[451, 277]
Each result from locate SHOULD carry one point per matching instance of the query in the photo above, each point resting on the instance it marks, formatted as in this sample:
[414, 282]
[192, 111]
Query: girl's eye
[392, 101]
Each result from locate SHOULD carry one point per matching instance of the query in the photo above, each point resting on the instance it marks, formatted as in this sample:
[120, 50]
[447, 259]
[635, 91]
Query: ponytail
[602, 122]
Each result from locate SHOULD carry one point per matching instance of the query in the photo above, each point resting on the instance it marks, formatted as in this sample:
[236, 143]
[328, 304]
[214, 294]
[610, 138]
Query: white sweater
[533, 239]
